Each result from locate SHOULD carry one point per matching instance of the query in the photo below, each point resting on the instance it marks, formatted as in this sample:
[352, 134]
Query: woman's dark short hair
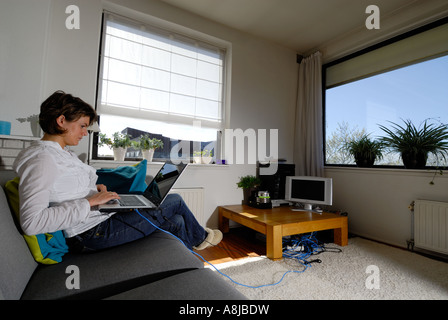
[61, 103]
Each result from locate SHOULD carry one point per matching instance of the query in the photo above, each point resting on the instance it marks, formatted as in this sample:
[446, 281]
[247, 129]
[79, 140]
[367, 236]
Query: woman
[58, 191]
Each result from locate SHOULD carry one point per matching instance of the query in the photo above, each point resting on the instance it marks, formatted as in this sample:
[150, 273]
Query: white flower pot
[35, 128]
[119, 154]
[206, 160]
[148, 154]
[202, 160]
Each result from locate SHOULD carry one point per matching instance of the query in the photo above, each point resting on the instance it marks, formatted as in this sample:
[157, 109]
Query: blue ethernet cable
[223, 274]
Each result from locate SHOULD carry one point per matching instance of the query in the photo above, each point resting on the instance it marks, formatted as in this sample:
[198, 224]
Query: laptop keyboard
[130, 201]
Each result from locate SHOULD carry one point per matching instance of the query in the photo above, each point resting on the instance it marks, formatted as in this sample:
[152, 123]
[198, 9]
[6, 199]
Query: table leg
[274, 242]
[223, 222]
[341, 235]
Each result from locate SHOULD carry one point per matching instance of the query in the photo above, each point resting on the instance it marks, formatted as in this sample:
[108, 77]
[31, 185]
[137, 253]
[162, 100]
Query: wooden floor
[238, 243]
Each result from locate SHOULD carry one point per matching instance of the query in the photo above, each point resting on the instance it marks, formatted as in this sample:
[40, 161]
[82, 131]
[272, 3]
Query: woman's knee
[173, 200]
[175, 197]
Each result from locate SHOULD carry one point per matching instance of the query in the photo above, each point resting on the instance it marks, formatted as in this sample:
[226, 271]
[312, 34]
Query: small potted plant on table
[249, 185]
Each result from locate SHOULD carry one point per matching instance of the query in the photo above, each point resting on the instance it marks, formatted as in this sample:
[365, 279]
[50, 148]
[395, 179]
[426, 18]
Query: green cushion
[48, 248]
[125, 179]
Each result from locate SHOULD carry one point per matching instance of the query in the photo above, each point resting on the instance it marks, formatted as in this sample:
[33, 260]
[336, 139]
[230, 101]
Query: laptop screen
[163, 182]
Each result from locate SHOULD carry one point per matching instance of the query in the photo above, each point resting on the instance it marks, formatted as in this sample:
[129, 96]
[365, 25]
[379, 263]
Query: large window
[159, 82]
[404, 80]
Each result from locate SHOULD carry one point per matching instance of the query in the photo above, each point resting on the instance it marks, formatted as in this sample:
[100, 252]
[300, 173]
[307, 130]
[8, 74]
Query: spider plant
[365, 150]
[414, 143]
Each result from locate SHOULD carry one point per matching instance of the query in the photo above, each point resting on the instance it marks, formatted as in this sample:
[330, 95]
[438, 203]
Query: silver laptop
[154, 194]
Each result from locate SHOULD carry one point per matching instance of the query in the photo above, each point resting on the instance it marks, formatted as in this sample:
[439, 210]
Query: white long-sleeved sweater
[54, 185]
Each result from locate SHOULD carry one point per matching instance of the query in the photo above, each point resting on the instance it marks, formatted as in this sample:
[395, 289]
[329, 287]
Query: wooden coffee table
[282, 221]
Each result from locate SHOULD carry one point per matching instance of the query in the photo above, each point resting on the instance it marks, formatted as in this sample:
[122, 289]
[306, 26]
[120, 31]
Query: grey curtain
[308, 140]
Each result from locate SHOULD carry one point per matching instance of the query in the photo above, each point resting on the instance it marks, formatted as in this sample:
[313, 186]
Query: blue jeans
[173, 216]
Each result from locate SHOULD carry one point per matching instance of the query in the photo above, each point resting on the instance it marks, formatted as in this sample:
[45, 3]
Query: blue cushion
[125, 179]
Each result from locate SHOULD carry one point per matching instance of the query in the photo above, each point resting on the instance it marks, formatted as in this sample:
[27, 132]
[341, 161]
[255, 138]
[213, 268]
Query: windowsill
[113, 164]
[119, 163]
[391, 171]
[211, 165]
[27, 138]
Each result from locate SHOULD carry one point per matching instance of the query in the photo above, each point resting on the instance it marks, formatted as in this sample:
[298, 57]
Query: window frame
[430, 26]
[182, 31]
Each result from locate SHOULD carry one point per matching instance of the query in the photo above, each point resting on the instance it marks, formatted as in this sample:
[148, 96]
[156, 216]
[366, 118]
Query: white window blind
[151, 73]
[420, 47]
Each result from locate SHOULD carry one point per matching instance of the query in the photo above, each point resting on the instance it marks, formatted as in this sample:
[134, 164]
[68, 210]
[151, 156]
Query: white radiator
[431, 225]
[194, 198]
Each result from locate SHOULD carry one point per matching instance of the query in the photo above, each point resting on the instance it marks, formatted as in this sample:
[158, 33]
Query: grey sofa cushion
[16, 262]
[199, 284]
[109, 272]
[7, 175]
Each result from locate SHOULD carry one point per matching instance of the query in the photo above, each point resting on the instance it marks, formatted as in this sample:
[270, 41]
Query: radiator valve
[411, 206]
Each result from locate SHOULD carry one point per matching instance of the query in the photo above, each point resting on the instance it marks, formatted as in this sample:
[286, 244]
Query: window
[403, 80]
[159, 82]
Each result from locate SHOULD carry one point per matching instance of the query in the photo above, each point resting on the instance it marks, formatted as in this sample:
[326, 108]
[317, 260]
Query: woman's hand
[101, 187]
[103, 196]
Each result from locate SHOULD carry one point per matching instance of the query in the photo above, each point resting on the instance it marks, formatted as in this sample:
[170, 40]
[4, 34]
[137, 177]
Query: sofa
[158, 267]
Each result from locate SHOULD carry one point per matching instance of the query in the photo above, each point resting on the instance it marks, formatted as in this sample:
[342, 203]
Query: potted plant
[205, 156]
[148, 145]
[34, 123]
[414, 143]
[249, 184]
[119, 144]
[365, 150]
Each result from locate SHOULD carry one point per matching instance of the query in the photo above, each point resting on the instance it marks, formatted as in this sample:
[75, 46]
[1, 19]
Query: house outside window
[405, 79]
[163, 83]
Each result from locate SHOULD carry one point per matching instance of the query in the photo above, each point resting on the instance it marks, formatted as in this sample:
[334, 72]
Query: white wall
[377, 200]
[39, 55]
[70, 63]
[263, 82]
[71, 54]
[23, 39]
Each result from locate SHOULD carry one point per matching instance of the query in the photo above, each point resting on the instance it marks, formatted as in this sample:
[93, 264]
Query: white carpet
[402, 275]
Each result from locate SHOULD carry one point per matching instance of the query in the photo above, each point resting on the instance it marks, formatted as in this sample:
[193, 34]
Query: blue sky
[416, 92]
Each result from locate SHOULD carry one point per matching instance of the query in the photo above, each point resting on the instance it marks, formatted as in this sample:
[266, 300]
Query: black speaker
[275, 183]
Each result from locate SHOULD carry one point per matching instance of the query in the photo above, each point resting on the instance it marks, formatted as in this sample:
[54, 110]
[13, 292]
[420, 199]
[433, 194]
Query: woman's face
[75, 130]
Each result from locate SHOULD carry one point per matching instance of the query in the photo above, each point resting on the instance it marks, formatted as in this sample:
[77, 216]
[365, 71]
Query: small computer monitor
[309, 190]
